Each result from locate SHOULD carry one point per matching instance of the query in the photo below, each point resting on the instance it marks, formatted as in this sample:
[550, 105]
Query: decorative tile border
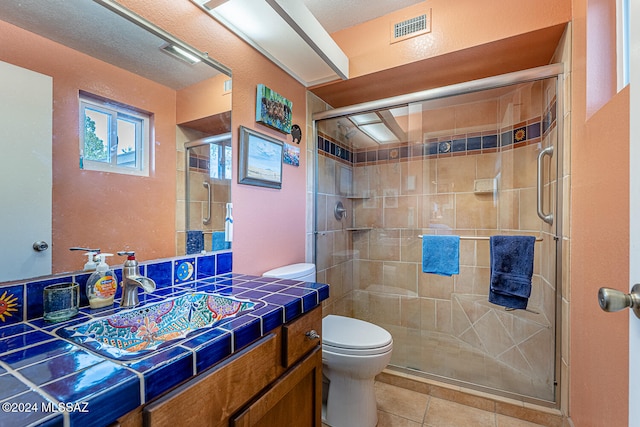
[518, 135]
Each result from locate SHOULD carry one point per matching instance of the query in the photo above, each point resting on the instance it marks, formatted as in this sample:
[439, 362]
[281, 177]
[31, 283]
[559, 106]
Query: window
[113, 137]
[220, 160]
[622, 30]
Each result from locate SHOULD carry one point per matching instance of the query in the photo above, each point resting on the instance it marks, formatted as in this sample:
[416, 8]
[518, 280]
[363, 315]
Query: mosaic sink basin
[130, 334]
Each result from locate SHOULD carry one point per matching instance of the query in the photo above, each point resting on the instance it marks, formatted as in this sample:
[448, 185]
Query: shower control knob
[313, 335]
[614, 300]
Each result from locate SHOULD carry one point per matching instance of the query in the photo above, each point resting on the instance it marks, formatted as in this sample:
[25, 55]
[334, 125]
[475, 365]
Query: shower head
[346, 131]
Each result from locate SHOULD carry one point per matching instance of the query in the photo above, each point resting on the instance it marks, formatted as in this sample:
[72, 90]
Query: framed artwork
[260, 159]
[291, 155]
[273, 109]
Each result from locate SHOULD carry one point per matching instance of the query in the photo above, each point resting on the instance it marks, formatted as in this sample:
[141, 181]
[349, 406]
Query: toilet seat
[345, 335]
[357, 352]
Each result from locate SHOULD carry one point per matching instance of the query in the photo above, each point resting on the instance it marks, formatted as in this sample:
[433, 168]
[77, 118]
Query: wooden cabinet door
[213, 398]
[294, 400]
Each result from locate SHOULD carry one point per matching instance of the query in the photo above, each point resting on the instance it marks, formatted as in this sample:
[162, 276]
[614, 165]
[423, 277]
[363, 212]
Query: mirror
[102, 49]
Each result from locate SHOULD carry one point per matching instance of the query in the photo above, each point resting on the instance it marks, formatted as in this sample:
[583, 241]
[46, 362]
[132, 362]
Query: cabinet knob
[313, 335]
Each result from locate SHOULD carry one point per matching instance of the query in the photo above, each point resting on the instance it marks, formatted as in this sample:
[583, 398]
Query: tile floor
[400, 407]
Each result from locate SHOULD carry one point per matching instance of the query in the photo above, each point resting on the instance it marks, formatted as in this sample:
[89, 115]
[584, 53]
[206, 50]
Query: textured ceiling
[335, 15]
[93, 29]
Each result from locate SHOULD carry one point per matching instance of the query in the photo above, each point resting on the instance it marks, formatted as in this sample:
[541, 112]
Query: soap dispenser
[102, 285]
[91, 264]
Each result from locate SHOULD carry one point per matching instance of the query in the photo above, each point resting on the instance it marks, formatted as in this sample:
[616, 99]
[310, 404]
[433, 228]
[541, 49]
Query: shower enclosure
[474, 159]
[207, 192]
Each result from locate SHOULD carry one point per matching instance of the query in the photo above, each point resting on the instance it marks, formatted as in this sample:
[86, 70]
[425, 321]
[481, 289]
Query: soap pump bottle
[91, 264]
[102, 285]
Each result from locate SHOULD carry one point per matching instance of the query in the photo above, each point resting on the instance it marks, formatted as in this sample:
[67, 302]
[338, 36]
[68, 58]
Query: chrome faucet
[132, 280]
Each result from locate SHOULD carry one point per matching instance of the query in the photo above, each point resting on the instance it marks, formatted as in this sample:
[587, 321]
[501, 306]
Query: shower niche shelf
[359, 228]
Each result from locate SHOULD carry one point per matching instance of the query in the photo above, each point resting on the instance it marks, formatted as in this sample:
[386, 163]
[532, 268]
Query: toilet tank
[302, 271]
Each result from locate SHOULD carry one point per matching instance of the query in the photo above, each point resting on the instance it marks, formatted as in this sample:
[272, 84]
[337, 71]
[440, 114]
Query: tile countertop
[48, 381]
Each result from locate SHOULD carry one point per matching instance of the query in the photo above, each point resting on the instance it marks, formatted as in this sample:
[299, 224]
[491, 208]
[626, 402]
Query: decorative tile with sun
[11, 305]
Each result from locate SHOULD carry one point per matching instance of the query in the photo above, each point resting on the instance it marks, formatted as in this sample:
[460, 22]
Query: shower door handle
[208, 218]
[548, 218]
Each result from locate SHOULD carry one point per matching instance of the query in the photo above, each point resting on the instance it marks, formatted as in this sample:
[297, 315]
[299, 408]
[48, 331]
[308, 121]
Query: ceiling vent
[411, 27]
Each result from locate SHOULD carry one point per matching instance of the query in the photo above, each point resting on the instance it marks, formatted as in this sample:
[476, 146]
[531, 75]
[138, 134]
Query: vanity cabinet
[276, 381]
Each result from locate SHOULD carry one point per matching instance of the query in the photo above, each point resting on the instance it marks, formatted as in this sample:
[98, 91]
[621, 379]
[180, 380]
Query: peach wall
[269, 224]
[455, 26]
[202, 99]
[96, 209]
[599, 223]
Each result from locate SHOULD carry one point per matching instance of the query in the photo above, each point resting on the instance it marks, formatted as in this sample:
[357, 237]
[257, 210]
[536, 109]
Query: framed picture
[260, 159]
[273, 109]
[291, 155]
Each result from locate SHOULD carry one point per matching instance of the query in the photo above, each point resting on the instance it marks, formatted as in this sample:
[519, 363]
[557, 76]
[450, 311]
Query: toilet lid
[345, 332]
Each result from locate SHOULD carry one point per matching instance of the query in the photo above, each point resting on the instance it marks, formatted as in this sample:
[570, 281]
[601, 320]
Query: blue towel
[511, 270]
[218, 242]
[441, 255]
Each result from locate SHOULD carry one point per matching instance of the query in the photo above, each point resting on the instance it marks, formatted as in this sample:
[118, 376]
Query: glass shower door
[464, 165]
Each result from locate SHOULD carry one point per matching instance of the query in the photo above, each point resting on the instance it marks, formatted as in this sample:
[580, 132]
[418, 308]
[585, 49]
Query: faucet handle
[127, 253]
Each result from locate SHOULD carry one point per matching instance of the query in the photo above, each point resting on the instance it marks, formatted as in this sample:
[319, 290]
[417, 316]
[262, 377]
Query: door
[634, 204]
[25, 167]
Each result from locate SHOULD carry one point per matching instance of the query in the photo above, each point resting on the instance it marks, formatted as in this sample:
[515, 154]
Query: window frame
[622, 43]
[117, 112]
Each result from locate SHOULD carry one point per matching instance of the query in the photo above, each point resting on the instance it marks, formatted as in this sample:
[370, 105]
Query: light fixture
[287, 33]
[379, 126]
[180, 53]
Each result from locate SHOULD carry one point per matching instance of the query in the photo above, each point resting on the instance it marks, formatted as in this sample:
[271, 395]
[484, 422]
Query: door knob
[40, 246]
[614, 300]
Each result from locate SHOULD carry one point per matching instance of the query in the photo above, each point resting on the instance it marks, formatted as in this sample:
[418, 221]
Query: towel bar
[538, 239]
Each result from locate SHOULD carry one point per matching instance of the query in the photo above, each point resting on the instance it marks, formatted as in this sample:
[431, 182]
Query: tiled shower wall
[198, 170]
[393, 194]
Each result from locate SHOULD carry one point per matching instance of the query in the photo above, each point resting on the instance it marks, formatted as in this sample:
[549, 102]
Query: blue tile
[34, 295]
[110, 390]
[210, 348]
[322, 288]
[161, 273]
[309, 297]
[37, 353]
[459, 145]
[474, 143]
[272, 317]
[506, 138]
[60, 366]
[184, 270]
[272, 287]
[224, 263]
[11, 304]
[48, 326]
[10, 386]
[253, 294]
[490, 141]
[292, 305]
[41, 417]
[24, 340]
[533, 130]
[164, 370]
[18, 329]
[432, 148]
[206, 266]
[246, 329]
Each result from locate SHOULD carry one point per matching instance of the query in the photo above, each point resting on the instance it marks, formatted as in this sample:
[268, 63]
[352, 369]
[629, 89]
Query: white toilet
[353, 353]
